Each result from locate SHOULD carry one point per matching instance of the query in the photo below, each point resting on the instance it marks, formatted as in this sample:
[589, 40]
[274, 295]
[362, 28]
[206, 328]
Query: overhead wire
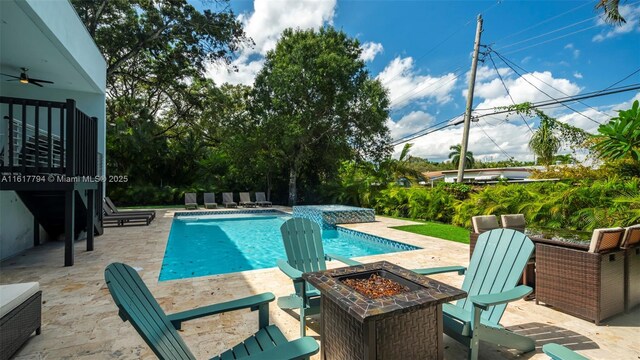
[494, 142]
[507, 90]
[544, 21]
[550, 40]
[507, 62]
[548, 33]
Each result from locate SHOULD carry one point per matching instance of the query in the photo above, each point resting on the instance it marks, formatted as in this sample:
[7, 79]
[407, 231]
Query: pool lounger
[121, 220]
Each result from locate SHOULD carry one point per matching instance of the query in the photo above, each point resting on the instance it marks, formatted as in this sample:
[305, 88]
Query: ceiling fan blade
[42, 81]
[15, 77]
[34, 82]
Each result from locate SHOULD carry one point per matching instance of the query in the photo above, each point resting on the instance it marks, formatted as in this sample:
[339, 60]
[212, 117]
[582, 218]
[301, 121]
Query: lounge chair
[245, 200]
[137, 305]
[261, 199]
[190, 201]
[122, 219]
[210, 201]
[113, 207]
[303, 245]
[559, 352]
[513, 221]
[227, 200]
[497, 263]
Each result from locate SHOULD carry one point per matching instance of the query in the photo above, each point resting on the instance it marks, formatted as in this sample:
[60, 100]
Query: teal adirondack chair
[303, 244]
[497, 263]
[137, 305]
[559, 352]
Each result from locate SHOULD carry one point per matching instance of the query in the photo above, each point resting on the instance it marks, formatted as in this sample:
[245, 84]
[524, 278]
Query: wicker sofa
[631, 246]
[20, 316]
[587, 283]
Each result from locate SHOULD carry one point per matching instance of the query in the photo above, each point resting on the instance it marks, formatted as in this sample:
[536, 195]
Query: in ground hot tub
[327, 216]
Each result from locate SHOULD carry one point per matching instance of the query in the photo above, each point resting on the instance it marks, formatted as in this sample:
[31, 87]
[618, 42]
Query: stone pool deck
[80, 320]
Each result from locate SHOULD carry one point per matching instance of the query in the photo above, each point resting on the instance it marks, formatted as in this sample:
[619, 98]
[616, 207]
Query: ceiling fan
[24, 79]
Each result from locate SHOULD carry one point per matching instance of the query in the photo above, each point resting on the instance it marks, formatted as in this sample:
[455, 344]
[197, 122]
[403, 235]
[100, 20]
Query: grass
[439, 230]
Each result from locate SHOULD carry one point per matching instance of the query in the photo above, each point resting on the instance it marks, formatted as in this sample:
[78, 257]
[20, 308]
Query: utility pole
[467, 113]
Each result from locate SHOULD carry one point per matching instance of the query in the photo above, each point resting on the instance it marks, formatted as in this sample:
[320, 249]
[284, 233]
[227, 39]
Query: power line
[542, 91]
[550, 40]
[553, 87]
[448, 37]
[585, 94]
[545, 103]
[545, 21]
[548, 33]
[507, 90]
[494, 142]
[571, 98]
[407, 95]
[421, 132]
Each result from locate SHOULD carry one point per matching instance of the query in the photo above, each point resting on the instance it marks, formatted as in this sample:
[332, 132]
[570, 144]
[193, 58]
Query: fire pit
[380, 311]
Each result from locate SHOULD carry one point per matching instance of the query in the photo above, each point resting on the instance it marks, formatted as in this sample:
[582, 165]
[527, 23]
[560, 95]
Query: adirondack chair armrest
[559, 352]
[484, 301]
[342, 259]
[255, 302]
[289, 270]
[439, 270]
[300, 348]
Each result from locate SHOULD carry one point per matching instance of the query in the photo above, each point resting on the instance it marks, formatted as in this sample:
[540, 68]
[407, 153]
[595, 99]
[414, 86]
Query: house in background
[52, 135]
[493, 175]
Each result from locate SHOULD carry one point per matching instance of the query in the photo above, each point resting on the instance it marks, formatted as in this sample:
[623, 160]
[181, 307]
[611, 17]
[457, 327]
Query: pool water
[221, 244]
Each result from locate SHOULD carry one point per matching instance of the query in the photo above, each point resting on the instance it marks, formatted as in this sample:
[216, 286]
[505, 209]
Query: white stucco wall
[58, 43]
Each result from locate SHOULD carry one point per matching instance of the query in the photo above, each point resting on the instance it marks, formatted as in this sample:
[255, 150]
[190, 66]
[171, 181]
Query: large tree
[156, 54]
[319, 105]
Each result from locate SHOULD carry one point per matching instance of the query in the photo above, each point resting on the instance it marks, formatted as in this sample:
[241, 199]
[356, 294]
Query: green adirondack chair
[303, 244]
[559, 352]
[137, 305]
[497, 263]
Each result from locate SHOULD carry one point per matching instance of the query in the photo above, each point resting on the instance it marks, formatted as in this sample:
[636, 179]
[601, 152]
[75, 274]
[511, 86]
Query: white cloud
[484, 73]
[630, 13]
[577, 75]
[522, 90]
[265, 25]
[370, 50]
[405, 85]
[409, 124]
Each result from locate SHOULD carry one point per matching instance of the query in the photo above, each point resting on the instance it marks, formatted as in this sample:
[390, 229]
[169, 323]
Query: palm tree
[455, 157]
[544, 142]
[611, 11]
[401, 167]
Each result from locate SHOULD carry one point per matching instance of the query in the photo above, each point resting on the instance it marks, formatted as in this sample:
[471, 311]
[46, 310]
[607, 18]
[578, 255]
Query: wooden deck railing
[46, 137]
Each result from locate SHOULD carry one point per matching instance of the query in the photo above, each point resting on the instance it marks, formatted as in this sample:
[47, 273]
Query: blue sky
[421, 51]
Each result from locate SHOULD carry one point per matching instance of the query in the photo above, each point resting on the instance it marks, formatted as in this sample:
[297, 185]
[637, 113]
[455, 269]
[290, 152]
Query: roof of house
[528, 169]
[432, 174]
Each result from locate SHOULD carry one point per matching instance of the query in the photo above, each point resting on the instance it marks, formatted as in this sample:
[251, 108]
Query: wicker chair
[481, 224]
[584, 283]
[513, 221]
[631, 246]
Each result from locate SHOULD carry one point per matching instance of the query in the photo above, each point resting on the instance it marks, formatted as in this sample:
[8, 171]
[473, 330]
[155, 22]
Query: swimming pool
[203, 244]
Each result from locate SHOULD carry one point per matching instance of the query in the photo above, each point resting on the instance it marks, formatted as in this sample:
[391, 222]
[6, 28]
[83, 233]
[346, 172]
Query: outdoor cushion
[484, 223]
[13, 295]
[605, 239]
[631, 236]
[513, 221]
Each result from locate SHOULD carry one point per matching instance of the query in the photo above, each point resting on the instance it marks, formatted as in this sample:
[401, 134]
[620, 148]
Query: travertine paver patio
[80, 320]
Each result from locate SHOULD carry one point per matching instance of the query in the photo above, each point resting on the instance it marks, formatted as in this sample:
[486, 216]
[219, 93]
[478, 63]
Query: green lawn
[443, 231]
